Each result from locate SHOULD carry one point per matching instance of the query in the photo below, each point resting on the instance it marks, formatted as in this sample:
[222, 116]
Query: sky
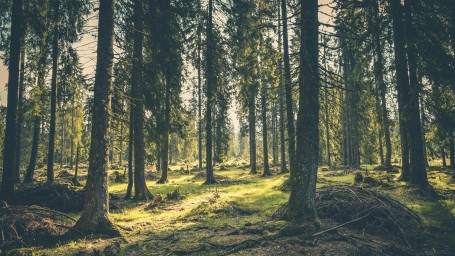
[87, 48]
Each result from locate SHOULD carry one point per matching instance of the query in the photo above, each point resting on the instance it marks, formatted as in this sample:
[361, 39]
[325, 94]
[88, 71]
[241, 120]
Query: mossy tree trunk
[95, 216]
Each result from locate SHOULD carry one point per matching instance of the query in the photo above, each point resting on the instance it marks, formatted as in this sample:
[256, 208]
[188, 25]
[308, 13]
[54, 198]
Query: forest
[227, 127]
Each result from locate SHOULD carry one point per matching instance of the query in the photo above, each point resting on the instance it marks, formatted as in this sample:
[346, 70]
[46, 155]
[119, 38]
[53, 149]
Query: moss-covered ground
[231, 216]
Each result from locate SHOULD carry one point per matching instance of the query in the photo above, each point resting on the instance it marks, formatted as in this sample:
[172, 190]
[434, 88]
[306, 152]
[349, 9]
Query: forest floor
[233, 217]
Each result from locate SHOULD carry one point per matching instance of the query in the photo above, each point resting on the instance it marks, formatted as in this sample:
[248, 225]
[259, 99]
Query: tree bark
[443, 156]
[165, 135]
[129, 188]
[264, 127]
[141, 191]
[281, 99]
[210, 178]
[9, 143]
[302, 201]
[95, 216]
[414, 125]
[451, 150]
[379, 76]
[252, 127]
[199, 92]
[288, 89]
[53, 109]
[20, 117]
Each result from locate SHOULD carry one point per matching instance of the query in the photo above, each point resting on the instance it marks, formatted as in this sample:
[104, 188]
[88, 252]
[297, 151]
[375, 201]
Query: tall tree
[210, 177]
[20, 117]
[55, 53]
[95, 216]
[409, 97]
[281, 98]
[379, 77]
[288, 89]
[141, 191]
[302, 201]
[9, 156]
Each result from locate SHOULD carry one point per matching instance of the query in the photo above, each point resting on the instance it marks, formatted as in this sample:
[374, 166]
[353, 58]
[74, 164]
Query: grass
[207, 214]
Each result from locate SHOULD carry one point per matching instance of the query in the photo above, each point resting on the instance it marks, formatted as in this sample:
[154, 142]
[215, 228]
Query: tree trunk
[141, 191]
[326, 107]
[274, 133]
[443, 156]
[62, 141]
[53, 109]
[120, 153]
[264, 127]
[9, 156]
[72, 137]
[95, 216]
[129, 188]
[34, 152]
[302, 201]
[199, 92]
[165, 135]
[281, 99]
[252, 127]
[414, 125]
[210, 178]
[379, 76]
[402, 84]
[452, 150]
[288, 89]
[20, 117]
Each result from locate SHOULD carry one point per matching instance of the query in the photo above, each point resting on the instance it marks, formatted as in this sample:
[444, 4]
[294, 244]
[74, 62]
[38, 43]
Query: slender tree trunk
[302, 201]
[199, 92]
[379, 76]
[452, 150]
[72, 136]
[55, 53]
[9, 156]
[165, 136]
[288, 89]
[20, 117]
[423, 118]
[62, 141]
[34, 152]
[264, 127]
[443, 156]
[120, 153]
[274, 134]
[414, 125]
[281, 99]
[326, 107]
[210, 178]
[95, 216]
[75, 181]
[129, 188]
[37, 119]
[252, 127]
[141, 191]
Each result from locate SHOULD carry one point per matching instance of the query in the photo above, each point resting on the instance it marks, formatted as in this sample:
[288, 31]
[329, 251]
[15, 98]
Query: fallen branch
[339, 226]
